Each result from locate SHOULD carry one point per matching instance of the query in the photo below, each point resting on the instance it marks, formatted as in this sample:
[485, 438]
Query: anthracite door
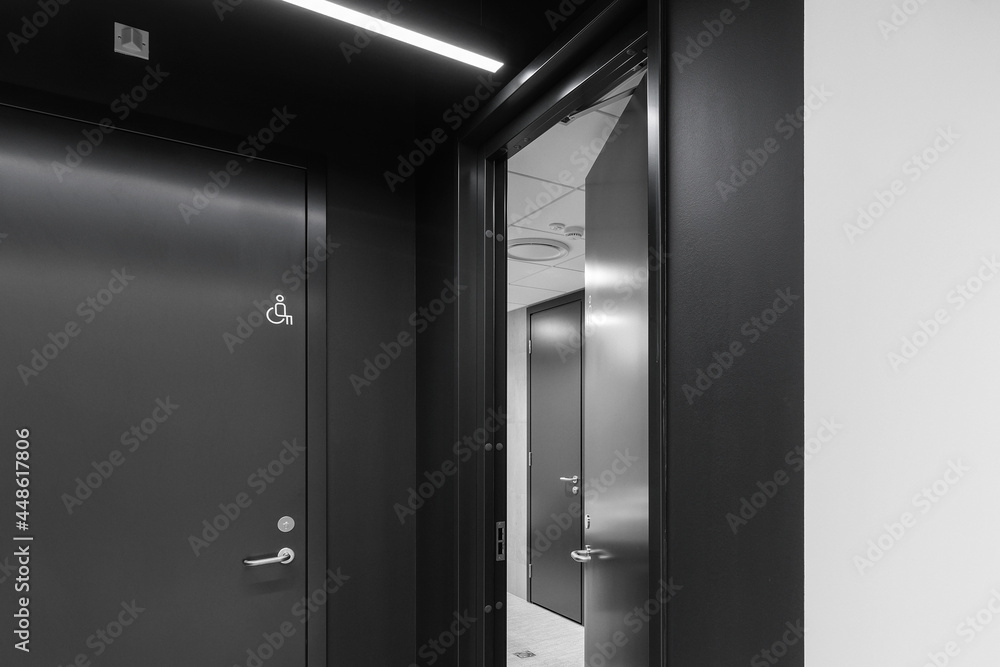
[152, 395]
[616, 421]
[555, 428]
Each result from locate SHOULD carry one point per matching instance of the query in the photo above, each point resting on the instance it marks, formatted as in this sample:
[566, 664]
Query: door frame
[315, 208]
[542, 306]
[558, 81]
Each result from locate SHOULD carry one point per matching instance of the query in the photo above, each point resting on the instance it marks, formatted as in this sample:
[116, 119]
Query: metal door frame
[316, 342]
[604, 42]
[542, 306]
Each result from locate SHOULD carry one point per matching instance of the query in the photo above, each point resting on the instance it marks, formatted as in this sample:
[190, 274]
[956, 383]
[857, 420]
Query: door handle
[581, 555]
[575, 479]
[284, 557]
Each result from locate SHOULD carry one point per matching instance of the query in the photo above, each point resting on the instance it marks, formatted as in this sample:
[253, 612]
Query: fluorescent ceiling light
[376, 25]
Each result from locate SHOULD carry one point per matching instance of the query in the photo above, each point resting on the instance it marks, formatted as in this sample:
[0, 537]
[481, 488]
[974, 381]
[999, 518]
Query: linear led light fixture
[376, 25]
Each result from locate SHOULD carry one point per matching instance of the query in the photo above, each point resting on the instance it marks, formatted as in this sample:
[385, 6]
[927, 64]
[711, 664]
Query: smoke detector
[574, 232]
[557, 226]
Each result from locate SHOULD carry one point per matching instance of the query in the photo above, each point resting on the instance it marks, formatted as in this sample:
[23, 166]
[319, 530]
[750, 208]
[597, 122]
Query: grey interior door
[616, 393]
[555, 431]
[153, 383]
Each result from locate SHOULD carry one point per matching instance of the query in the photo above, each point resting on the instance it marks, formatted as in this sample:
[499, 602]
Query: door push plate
[501, 536]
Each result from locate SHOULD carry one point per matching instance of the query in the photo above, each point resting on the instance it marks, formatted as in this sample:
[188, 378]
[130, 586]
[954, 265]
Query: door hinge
[501, 540]
[529, 459]
[529, 570]
[529, 346]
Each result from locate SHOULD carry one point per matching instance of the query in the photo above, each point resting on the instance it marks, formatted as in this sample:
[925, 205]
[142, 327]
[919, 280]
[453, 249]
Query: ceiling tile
[576, 264]
[555, 279]
[518, 270]
[616, 109]
[565, 153]
[529, 295]
[526, 195]
[570, 210]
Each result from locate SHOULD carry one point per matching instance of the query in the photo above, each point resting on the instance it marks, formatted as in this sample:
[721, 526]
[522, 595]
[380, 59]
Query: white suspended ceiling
[545, 188]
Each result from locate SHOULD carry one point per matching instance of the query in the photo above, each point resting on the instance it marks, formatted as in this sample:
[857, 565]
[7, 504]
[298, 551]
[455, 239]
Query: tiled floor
[554, 640]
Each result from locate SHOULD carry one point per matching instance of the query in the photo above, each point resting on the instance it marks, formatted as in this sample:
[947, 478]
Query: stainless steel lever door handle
[284, 557]
[575, 479]
[581, 555]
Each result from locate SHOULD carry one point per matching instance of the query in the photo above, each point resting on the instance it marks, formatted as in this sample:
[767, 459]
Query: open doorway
[557, 391]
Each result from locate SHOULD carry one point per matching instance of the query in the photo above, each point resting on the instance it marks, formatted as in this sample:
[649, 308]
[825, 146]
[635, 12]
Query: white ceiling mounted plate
[131, 41]
[536, 249]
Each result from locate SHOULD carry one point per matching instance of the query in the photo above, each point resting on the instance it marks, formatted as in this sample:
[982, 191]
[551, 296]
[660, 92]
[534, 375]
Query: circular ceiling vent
[536, 250]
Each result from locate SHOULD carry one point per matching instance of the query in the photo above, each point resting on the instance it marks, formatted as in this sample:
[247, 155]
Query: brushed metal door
[616, 371]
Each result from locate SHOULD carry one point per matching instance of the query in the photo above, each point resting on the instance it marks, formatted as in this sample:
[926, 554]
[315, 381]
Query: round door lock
[286, 523]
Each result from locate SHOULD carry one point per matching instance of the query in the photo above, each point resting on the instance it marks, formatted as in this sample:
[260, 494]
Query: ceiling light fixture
[376, 25]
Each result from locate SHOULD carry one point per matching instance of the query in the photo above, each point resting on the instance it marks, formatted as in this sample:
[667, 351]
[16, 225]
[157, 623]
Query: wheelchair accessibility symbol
[277, 313]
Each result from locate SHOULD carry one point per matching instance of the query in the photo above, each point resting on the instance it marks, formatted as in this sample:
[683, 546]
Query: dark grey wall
[729, 256]
[371, 426]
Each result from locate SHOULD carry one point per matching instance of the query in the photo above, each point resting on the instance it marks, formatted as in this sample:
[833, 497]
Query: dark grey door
[616, 410]
[153, 400]
[555, 430]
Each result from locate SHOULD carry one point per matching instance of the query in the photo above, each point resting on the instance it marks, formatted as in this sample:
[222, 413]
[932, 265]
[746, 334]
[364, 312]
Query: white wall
[517, 452]
[903, 428]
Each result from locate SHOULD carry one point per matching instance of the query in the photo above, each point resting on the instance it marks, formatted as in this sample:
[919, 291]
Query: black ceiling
[227, 73]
